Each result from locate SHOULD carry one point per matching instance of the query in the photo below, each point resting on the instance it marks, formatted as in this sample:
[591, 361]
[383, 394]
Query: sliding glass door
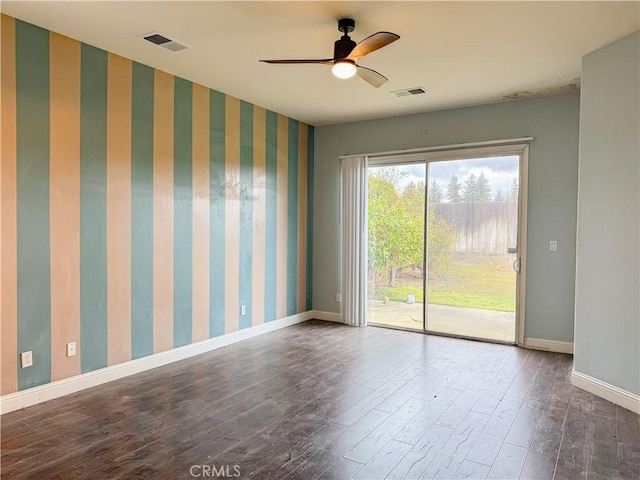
[443, 251]
[396, 222]
[472, 226]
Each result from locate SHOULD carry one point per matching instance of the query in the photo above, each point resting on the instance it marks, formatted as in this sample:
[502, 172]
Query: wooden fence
[489, 227]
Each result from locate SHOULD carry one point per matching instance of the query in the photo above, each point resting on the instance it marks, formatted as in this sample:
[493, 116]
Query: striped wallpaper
[140, 211]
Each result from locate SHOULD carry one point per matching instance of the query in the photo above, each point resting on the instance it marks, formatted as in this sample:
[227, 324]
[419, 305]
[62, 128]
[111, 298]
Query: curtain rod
[441, 147]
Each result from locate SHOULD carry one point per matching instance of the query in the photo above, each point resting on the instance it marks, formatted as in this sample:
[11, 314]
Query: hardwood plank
[489, 443]
[524, 426]
[418, 458]
[629, 460]
[538, 466]
[456, 448]
[293, 457]
[472, 470]
[573, 456]
[459, 408]
[343, 469]
[364, 451]
[413, 431]
[508, 463]
[325, 458]
[382, 464]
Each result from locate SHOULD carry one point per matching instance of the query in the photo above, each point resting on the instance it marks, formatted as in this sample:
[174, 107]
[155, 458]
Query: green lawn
[487, 286]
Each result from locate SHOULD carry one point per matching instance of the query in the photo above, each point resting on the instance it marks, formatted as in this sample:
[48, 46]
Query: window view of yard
[470, 209]
[472, 281]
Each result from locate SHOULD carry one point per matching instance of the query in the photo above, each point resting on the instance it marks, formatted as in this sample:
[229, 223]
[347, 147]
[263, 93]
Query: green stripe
[246, 212]
[310, 147]
[292, 219]
[271, 216]
[93, 208]
[142, 211]
[217, 195]
[34, 272]
[182, 212]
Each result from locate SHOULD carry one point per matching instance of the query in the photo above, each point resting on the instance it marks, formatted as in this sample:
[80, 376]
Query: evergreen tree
[453, 190]
[483, 190]
[498, 197]
[435, 193]
[469, 189]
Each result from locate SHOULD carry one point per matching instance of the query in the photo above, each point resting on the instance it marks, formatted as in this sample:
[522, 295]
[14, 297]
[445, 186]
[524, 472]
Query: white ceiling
[463, 53]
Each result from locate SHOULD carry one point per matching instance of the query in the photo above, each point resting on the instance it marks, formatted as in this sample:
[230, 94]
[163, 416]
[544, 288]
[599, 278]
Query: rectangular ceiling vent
[164, 42]
[409, 91]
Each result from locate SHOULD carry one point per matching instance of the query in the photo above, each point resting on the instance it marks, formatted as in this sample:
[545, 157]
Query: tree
[469, 189]
[499, 197]
[393, 175]
[440, 239]
[395, 238]
[453, 190]
[396, 227]
[483, 189]
[441, 235]
[413, 199]
[435, 193]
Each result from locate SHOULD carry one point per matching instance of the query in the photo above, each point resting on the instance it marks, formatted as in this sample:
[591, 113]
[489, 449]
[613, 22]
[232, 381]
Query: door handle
[516, 265]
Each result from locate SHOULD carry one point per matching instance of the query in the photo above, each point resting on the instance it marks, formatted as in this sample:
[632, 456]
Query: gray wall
[553, 180]
[607, 322]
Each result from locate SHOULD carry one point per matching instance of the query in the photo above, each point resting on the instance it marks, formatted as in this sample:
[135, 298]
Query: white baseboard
[327, 316]
[59, 388]
[607, 391]
[548, 345]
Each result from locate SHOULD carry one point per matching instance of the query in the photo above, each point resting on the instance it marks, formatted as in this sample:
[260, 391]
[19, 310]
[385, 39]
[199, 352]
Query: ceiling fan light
[344, 69]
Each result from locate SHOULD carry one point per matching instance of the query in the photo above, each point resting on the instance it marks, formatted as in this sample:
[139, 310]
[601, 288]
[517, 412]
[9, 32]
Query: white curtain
[354, 241]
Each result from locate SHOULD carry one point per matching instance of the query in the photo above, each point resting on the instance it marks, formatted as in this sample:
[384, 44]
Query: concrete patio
[466, 322]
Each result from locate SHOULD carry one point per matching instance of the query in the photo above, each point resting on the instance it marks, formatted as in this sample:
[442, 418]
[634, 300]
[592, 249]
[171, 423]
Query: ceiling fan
[346, 53]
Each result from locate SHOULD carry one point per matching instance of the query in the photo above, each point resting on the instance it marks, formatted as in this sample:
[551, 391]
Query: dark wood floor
[321, 400]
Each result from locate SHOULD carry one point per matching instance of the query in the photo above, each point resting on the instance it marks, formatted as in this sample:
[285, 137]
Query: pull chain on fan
[346, 53]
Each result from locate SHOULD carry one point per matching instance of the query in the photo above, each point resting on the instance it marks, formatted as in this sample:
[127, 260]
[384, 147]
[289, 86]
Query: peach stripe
[8, 212]
[259, 213]
[64, 210]
[200, 325]
[282, 208]
[163, 212]
[232, 214]
[302, 217]
[119, 209]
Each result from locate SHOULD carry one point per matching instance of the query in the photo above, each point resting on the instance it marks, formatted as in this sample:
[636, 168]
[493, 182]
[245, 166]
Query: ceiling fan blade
[371, 76]
[324, 61]
[372, 43]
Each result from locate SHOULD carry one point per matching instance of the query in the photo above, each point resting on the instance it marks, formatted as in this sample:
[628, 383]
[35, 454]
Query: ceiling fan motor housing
[343, 46]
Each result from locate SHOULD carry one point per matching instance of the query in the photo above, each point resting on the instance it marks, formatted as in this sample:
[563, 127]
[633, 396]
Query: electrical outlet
[243, 310]
[338, 297]
[553, 246]
[71, 349]
[26, 359]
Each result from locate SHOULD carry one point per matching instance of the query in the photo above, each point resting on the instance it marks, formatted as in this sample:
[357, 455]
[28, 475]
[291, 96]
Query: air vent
[409, 91]
[157, 39]
[164, 42]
